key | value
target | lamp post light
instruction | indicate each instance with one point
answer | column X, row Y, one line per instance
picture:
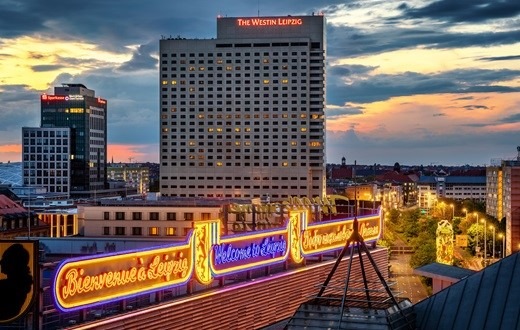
column 485, row 241
column 476, row 214
column 465, row 214
column 452, row 211
column 493, row 227
column 503, row 237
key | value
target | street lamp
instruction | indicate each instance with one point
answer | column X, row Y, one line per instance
column 485, row 241
column 493, row 227
column 476, row 214
column 465, row 213
column 452, row 211
column 503, row 237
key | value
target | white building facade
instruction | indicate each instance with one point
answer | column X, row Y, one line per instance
column 242, row 115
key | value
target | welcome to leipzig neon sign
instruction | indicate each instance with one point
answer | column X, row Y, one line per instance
column 204, row 256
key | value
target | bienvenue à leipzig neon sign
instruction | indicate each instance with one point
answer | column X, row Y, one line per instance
column 205, row 255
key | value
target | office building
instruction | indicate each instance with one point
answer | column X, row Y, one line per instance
column 242, row 115
column 67, row 153
column 134, row 176
column 503, row 199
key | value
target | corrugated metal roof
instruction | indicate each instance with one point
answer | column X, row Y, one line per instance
column 485, row 300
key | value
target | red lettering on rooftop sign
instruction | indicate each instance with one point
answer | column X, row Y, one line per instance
column 286, row 21
column 46, row 97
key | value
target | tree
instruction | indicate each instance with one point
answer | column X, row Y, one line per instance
column 397, row 167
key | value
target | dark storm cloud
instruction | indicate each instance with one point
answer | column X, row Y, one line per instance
column 117, row 24
column 501, row 58
column 46, row 67
column 132, row 114
column 459, row 11
column 19, row 107
column 346, row 41
column 142, row 58
column 370, row 88
column 510, row 119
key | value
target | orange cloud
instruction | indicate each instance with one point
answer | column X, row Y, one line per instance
column 432, row 114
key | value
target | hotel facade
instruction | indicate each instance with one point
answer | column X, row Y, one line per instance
column 242, row 115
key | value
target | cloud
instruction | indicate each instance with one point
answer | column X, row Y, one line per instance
column 369, row 87
column 348, row 109
column 465, row 10
column 475, row 107
column 515, row 118
column 142, row 58
column 46, row 67
column 501, row 58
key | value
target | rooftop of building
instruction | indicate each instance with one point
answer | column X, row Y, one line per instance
column 485, row 300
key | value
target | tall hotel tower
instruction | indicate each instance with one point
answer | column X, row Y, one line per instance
column 242, row 115
column 68, row 153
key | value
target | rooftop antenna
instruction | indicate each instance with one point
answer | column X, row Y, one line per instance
column 258, row 8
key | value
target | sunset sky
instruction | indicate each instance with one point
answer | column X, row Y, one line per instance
column 414, row 82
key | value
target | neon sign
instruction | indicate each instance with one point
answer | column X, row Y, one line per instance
column 101, row 101
column 79, row 282
column 285, row 21
column 204, row 256
column 325, row 236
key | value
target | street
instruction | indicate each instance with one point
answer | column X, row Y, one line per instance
column 408, row 284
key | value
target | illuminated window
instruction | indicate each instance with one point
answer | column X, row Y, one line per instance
column 219, row 129
column 201, row 68
column 285, row 81
column 237, row 143
column 174, row 82
column 210, row 129
column 170, row 231
column 266, row 60
column 237, row 129
column 153, row 231
column 266, row 81
column 315, row 144
column 219, row 61
column 285, row 164
column 219, row 163
column 294, row 143
column 192, row 68
column 229, row 68
column 165, row 82
column 192, row 143
column 303, row 129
